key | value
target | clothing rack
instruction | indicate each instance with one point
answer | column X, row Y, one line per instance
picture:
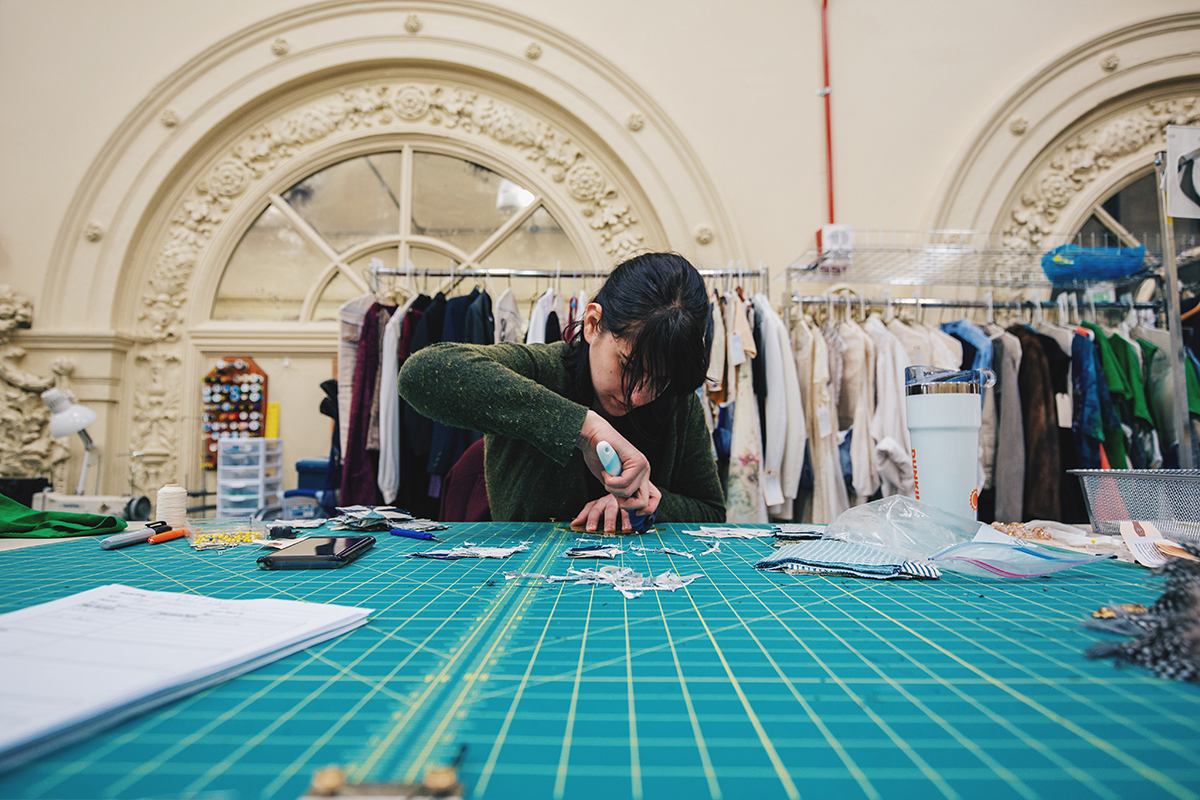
column 763, row 273
column 934, row 302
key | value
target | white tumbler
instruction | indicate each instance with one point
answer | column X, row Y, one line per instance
column 944, row 414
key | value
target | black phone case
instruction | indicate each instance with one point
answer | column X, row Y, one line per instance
column 281, row 560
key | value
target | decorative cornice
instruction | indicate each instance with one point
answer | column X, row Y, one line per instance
column 1081, row 159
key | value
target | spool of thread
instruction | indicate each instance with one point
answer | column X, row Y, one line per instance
column 172, row 505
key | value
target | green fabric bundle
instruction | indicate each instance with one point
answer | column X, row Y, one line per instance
column 19, row 522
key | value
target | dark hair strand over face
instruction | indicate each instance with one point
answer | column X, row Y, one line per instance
column 657, row 302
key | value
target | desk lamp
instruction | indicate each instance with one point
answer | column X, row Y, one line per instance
column 67, row 417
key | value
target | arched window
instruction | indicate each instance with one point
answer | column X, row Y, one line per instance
column 309, row 249
column 1129, row 217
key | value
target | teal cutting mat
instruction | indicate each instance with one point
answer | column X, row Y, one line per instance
column 744, row 684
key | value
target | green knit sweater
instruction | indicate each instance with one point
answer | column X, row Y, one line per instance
column 515, row 394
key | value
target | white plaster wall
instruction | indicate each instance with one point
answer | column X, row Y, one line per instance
column 911, row 82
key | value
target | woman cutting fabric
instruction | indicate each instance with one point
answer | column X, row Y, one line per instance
column 627, row 376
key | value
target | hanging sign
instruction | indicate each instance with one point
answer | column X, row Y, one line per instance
column 1183, row 171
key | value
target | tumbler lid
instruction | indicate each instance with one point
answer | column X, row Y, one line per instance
column 932, row 380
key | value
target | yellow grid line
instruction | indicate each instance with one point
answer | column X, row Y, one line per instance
column 560, row 780
column 789, row 785
column 1146, row 771
column 473, row 677
column 494, row 755
column 709, row 773
column 635, row 765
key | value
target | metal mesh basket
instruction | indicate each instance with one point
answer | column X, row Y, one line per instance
column 1170, row 498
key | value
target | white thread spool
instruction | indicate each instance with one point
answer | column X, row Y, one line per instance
column 172, row 505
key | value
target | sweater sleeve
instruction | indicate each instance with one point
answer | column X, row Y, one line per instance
column 497, row 389
column 695, row 493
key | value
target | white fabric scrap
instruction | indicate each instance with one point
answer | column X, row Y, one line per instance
column 731, row 533
column 716, row 547
column 666, row 550
column 509, row 576
column 594, row 551
column 629, row 583
column 474, row 552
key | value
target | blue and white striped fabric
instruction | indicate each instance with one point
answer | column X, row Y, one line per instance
column 831, row 556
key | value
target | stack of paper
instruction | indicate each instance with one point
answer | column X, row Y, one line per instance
column 77, row 665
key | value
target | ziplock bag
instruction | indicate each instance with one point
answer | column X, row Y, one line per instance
column 1007, row 559
column 916, row 529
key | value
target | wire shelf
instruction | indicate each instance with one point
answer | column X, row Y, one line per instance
column 956, row 258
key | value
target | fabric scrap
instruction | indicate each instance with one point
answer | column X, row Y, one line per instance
column 594, row 551
column 831, row 555
column 731, row 533
column 1167, row 635
column 666, row 550
column 716, row 547
column 471, row 552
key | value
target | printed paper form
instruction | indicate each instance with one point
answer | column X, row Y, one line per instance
column 70, row 661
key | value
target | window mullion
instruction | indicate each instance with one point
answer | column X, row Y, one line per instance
column 1110, row 222
column 504, row 230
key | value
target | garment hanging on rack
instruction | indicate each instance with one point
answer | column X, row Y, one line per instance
column 796, row 441
column 360, row 465
column 536, row 333
column 829, row 489
column 509, row 325
column 856, row 407
column 802, row 351
column 553, row 329
column 716, row 354
column 744, row 500
column 785, row 434
column 395, row 350
column 447, row 444
column 480, row 323
column 350, row 321
column 1009, row 465
column 889, row 424
column 1042, row 463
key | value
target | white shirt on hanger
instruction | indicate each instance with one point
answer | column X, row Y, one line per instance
column 889, row 425
column 536, row 333
column 387, row 477
column 509, row 325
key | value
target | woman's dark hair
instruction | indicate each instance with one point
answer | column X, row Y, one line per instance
column 657, row 302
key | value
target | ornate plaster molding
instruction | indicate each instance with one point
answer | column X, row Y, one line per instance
column 1078, row 160
column 158, row 356
column 26, row 447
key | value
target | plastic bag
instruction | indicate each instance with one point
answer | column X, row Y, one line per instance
column 926, row 533
column 1016, row 559
column 916, row 529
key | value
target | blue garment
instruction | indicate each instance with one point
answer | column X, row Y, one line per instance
column 723, row 433
column 975, row 336
column 844, row 458
column 1086, row 424
column 448, row 444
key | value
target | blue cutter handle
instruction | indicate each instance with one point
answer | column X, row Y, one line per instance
column 612, row 465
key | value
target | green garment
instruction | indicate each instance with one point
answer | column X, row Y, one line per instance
column 19, row 522
column 1127, row 362
column 1159, row 389
column 1118, row 385
column 515, row 394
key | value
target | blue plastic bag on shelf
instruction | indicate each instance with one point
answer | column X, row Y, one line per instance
column 1071, row 263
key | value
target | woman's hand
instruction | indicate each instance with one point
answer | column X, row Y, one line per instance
column 632, row 488
column 603, row 514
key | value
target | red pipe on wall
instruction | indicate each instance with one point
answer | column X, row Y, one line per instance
column 825, row 91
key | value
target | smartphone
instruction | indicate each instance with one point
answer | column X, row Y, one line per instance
column 318, row 552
